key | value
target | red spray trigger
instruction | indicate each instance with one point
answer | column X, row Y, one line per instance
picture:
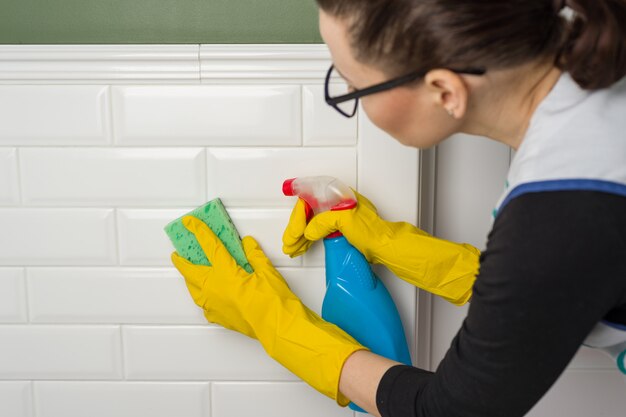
column 322, row 193
column 344, row 205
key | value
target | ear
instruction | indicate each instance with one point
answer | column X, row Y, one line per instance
column 447, row 90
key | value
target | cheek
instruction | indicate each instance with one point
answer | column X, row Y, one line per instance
column 388, row 112
column 405, row 117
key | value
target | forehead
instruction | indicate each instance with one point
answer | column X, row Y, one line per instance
column 334, row 31
column 335, row 34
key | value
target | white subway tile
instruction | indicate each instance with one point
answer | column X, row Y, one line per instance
column 388, row 173
column 57, row 237
column 16, row 399
column 93, row 177
column 9, row 183
column 267, row 227
column 231, row 115
column 122, row 399
column 315, row 255
column 196, row 353
column 254, row 176
column 276, row 399
column 143, row 241
column 60, row 352
column 110, row 295
column 12, row 296
column 322, row 124
column 309, row 284
column 54, row 115
column 135, row 295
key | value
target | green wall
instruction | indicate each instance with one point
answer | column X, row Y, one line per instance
column 157, row 21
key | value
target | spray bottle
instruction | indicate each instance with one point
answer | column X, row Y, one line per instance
column 356, row 300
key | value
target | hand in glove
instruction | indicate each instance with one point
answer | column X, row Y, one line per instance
column 261, row 305
column 444, row 268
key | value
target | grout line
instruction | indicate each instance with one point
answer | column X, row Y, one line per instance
column 113, row 138
column 161, row 267
column 206, row 174
column 211, row 406
column 184, row 146
column 180, row 381
column 122, row 353
column 116, row 237
column 199, row 64
column 26, row 295
column 33, row 398
column 302, row 115
column 18, row 167
column 178, row 325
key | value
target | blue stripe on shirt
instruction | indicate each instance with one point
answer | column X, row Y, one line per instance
column 564, row 185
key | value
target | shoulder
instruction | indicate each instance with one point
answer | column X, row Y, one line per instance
column 564, row 232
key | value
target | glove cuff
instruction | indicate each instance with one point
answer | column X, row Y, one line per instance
column 312, row 348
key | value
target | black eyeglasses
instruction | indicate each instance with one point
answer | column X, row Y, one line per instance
column 347, row 104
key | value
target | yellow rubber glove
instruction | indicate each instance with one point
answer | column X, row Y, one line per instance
column 261, row 305
column 444, row 268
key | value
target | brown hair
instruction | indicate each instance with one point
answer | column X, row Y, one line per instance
column 400, row 36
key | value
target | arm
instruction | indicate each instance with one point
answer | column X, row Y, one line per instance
column 441, row 267
column 360, row 377
column 548, row 275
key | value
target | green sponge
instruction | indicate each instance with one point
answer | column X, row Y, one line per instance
column 215, row 216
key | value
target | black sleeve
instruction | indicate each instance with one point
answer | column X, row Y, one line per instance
column 554, row 266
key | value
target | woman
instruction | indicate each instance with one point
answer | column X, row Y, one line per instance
column 520, row 73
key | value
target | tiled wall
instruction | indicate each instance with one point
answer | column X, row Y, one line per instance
column 94, row 321
column 101, row 146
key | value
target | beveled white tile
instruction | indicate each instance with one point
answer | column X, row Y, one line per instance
column 231, row 115
column 135, row 295
column 93, row 177
column 57, row 237
column 60, row 352
column 322, row 124
column 143, row 241
column 12, row 296
column 55, row 115
column 265, row 63
column 315, row 255
column 254, row 176
column 309, row 284
column 110, row 295
column 276, row 399
column 388, row 173
column 16, row 399
column 122, row 399
column 196, row 353
column 9, row 183
column 267, row 227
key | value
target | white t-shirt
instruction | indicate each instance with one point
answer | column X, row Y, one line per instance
column 576, row 141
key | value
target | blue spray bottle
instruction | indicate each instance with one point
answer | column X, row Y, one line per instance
column 356, row 299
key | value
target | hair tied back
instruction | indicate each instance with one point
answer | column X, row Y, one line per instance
column 559, row 5
column 586, row 38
